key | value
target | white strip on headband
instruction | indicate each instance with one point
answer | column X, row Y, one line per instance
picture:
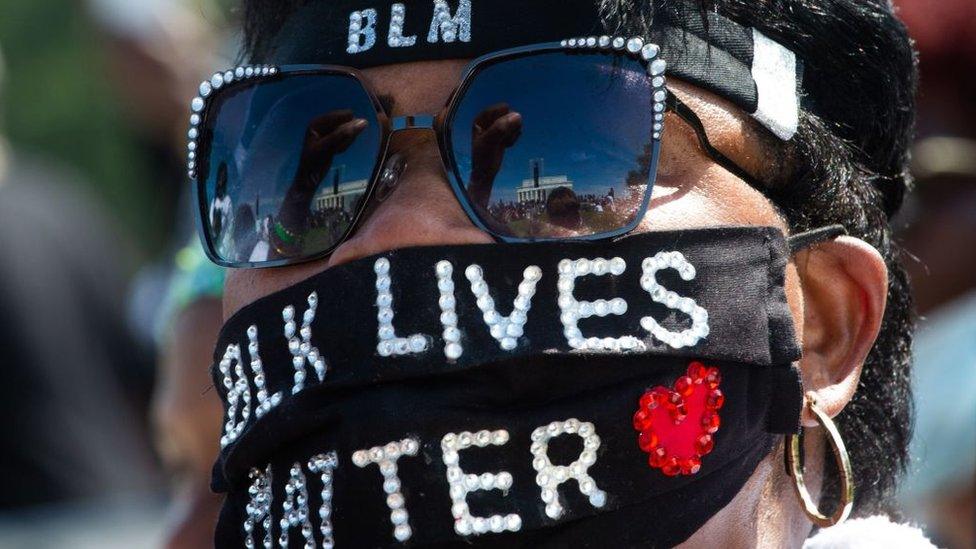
column 774, row 70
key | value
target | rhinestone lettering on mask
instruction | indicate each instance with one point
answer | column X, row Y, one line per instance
column 362, row 30
column 238, row 394
column 571, row 310
column 295, row 509
column 462, row 484
column 386, row 458
column 505, row 329
column 699, row 316
column 258, row 510
column 302, row 351
column 450, row 28
column 324, row 465
column 448, row 304
column 551, row 476
column 264, row 404
column 389, row 344
column 398, row 14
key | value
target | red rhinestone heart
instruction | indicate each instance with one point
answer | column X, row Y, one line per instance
column 676, row 425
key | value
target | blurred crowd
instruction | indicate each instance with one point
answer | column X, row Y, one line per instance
column 108, row 316
column 110, row 310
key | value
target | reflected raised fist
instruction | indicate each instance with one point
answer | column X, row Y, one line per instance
column 327, row 135
column 495, row 129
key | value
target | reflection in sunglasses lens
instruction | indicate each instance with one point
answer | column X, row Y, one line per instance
column 288, row 166
column 556, row 145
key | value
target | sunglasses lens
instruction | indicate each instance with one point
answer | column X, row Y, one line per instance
column 556, row 145
column 286, row 167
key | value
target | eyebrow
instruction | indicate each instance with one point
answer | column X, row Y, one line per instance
column 387, row 101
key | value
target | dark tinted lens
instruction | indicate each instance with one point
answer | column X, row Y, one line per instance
column 556, row 145
column 287, row 166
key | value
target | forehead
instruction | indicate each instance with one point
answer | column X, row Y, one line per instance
column 421, row 87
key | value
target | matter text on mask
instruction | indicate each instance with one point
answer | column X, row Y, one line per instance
column 294, row 514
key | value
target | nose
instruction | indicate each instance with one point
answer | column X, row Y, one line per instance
column 420, row 210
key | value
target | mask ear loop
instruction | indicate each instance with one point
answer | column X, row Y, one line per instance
column 806, row 239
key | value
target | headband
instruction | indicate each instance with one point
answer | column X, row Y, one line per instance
column 740, row 64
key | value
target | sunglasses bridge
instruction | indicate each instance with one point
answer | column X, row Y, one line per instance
column 413, row 122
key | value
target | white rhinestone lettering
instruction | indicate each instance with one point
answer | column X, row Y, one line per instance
column 238, row 394
column 389, row 344
column 571, row 310
column 295, row 509
column 386, row 458
column 448, row 304
column 258, row 510
column 551, row 476
column 398, row 14
column 699, row 316
column 264, row 404
column 505, row 329
column 450, row 28
column 302, row 351
column 462, row 484
column 324, row 465
column 362, row 30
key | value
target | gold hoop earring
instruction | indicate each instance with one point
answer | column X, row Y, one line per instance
column 795, row 470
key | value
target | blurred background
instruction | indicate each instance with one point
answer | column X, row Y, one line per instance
column 105, row 341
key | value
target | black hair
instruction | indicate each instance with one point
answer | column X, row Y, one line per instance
column 849, row 166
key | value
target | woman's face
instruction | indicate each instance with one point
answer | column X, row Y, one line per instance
column 691, row 191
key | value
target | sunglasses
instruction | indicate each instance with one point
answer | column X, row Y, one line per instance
column 546, row 142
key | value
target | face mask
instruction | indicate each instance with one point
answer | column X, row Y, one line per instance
column 514, row 394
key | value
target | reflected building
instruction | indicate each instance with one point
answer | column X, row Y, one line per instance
column 342, row 196
column 537, row 189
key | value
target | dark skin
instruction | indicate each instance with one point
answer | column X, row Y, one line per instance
column 836, row 290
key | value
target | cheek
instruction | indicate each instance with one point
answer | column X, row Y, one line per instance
column 702, row 194
column 691, row 190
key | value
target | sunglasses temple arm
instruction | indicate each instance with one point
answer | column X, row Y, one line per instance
column 684, row 112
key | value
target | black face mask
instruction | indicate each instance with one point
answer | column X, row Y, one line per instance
column 549, row 394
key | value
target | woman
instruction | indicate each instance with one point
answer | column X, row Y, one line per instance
column 656, row 367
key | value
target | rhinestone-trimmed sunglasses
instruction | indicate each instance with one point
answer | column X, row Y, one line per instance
column 544, row 142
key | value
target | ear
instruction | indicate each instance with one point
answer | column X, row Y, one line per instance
column 845, row 288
